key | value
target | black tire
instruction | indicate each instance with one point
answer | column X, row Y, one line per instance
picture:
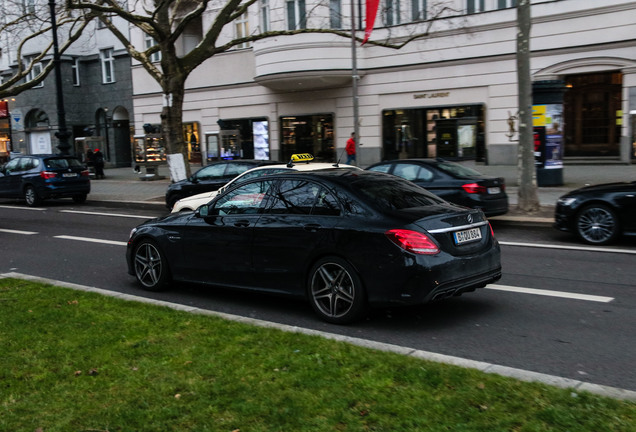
column 597, row 224
column 335, row 291
column 79, row 198
column 31, row 196
column 150, row 265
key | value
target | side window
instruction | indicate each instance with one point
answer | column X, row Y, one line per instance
column 27, row 163
column 246, row 199
column 407, row 171
column 293, row 197
column 210, row 172
column 381, row 168
column 425, row 174
column 12, row 165
column 232, row 170
column 326, row 204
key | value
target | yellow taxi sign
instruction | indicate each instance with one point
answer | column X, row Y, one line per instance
column 302, row 157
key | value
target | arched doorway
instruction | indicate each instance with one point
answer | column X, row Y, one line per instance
column 38, row 133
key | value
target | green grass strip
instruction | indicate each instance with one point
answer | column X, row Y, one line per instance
column 80, row 361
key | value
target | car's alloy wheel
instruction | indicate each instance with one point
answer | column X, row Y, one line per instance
column 335, row 291
column 31, row 197
column 597, row 224
column 151, row 269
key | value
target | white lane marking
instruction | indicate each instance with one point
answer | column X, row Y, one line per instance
column 550, row 293
column 108, row 214
column 578, row 248
column 91, row 240
column 23, row 208
column 10, row 231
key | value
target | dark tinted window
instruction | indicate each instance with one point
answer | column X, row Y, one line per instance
column 61, row 163
column 457, row 170
column 246, row 199
column 293, row 197
column 390, row 193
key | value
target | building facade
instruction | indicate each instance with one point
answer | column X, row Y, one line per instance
column 96, row 88
column 450, row 94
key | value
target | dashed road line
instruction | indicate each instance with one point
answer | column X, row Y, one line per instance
column 91, row 240
column 564, row 247
column 550, row 293
column 10, row 231
column 108, row 214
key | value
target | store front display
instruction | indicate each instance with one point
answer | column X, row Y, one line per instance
column 240, row 139
column 452, row 132
column 191, row 138
column 311, row 134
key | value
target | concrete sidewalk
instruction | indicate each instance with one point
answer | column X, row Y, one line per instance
column 124, row 185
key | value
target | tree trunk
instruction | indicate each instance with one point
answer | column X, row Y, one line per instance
column 172, row 128
column 527, row 195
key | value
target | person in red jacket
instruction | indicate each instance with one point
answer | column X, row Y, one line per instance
column 351, row 149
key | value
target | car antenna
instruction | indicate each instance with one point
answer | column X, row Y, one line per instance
column 337, row 164
column 290, row 164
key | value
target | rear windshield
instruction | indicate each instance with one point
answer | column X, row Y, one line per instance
column 392, row 193
column 61, row 163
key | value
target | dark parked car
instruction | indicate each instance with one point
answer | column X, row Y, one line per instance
column 209, row 178
column 452, row 181
column 39, row 177
column 344, row 239
column 598, row 214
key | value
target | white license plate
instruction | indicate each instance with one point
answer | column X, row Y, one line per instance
column 466, row 236
column 494, row 190
column 69, row 175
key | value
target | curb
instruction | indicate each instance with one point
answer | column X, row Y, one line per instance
column 520, row 374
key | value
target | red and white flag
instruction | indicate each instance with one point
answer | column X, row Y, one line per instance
column 371, row 12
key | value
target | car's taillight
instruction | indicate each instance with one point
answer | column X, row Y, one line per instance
column 474, row 188
column 413, row 241
column 492, row 231
column 47, row 175
column 85, row 173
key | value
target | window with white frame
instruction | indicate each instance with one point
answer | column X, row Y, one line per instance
column 242, row 26
column 475, row 6
column 265, row 25
column 335, row 14
column 391, row 13
column 418, row 10
column 75, row 72
column 28, row 6
column 36, row 69
column 505, row 4
column 108, row 66
column 155, row 57
column 296, row 15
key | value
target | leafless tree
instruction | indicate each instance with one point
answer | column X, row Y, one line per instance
column 22, row 26
column 528, row 200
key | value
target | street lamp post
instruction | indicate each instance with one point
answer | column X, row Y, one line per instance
column 62, row 133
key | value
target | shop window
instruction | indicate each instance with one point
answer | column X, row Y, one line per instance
column 191, row 138
column 243, row 139
column 308, row 134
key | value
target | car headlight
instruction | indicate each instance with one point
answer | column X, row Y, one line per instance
column 567, row 201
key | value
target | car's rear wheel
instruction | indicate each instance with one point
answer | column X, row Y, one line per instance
column 79, row 198
column 336, row 292
column 597, row 224
column 31, row 196
column 151, row 267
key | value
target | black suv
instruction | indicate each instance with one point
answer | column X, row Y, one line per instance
column 43, row 176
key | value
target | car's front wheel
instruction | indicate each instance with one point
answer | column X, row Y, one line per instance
column 151, row 267
column 336, row 292
column 31, row 196
column 597, row 224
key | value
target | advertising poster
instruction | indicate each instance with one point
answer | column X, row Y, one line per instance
column 260, row 131
column 548, row 127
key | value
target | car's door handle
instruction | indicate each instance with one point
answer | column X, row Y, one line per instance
column 242, row 223
column 311, row 227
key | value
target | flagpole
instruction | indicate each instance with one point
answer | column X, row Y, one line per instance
column 355, row 78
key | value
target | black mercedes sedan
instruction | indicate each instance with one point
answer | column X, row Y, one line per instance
column 598, row 214
column 343, row 239
column 452, row 181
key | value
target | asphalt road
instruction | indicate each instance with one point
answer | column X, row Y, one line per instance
column 578, row 323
